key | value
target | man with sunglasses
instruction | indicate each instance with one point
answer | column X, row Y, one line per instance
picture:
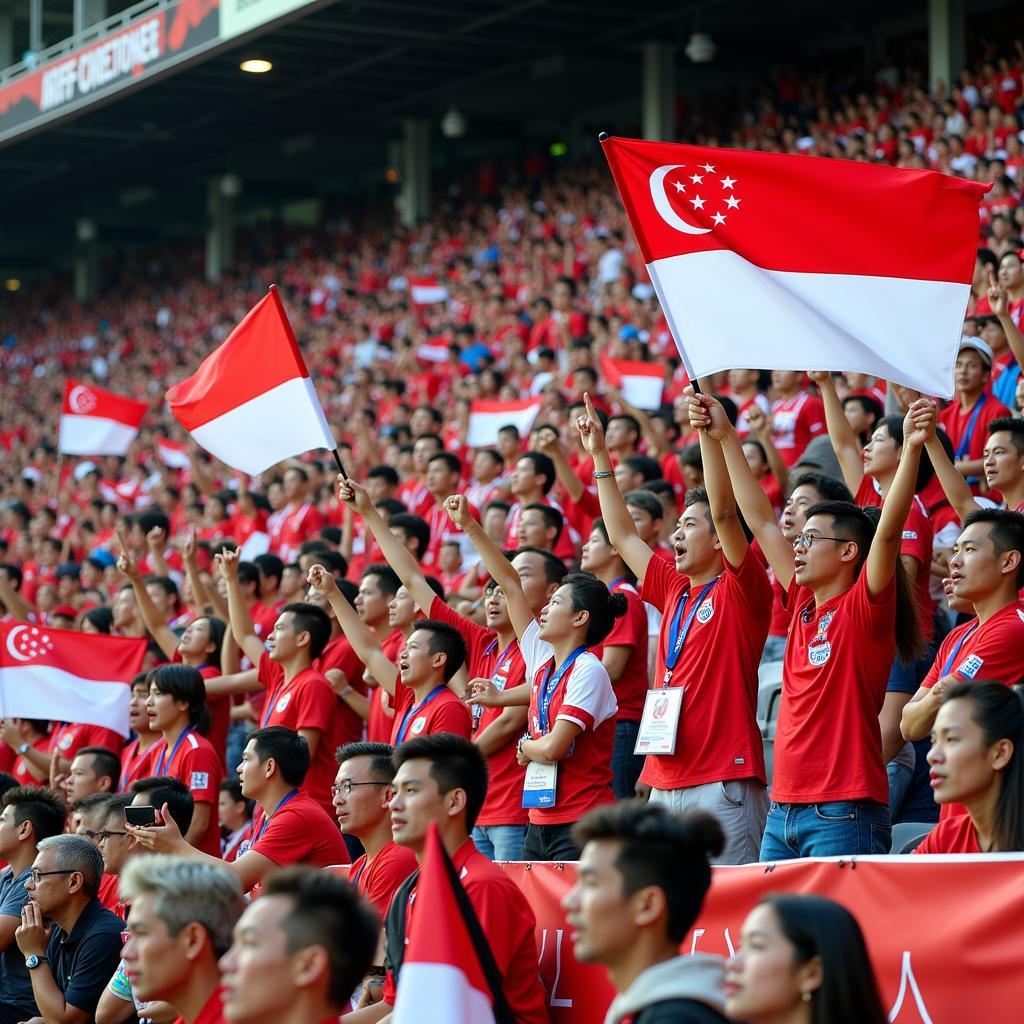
column 70, row 962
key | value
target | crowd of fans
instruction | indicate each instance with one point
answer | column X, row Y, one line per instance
column 507, row 640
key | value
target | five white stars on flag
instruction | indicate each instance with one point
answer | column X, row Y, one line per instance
column 698, row 202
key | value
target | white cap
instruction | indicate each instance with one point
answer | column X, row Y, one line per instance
column 979, row 346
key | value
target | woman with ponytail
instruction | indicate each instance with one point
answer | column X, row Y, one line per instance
column 977, row 759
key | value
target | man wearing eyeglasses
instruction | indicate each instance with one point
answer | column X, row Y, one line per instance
column 69, row 962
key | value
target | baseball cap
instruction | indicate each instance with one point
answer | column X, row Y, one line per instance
column 979, row 346
column 64, row 610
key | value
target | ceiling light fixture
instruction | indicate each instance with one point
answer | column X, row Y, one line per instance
column 256, row 65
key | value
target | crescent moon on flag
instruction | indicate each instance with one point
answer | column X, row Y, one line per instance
column 664, row 208
column 11, row 649
column 79, row 399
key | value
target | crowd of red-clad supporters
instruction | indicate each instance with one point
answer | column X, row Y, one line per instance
column 805, row 586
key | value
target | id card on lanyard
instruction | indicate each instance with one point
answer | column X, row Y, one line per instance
column 663, row 707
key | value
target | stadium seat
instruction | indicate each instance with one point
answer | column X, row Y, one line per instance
column 907, row 834
column 769, row 692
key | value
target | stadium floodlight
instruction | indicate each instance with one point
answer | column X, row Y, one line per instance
column 256, row 65
column 453, row 124
column 12, row 284
column 85, row 230
column 701, row 48
column 230, row 186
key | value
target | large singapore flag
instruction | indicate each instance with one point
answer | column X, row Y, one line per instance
column 251, row 402
column 789, row 262
column 66, row 676
column 94, row 421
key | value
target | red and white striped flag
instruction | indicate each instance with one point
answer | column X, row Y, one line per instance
column 487, row 418
column 94, row 421
column 640, row 384
column 425, row 291
column 790, row 263
column 173, row 454
column 67, row 676
column 251, row 402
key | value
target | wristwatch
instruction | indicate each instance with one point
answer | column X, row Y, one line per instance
column 24, row 748
column 34, row 961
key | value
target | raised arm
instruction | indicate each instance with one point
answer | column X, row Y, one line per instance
column 363, row 640
column 753, row 502
column 761, row 426
column 716, row 482
column 206, row 599
column 619, row 523
column 885, row 548
column 238, row 615
column 999, row 300
column 840, row 433
column 956, row 488
column 155, row 623
column 495, row 563
column 548, row 444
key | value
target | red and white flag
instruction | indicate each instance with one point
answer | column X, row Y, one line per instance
column 640, row 384
column 487, row 418
column 251, row 402
column 173, row 454
column 66, row 676
column 425, row 291
column 94, row 421
column 792, row 263
column 443, row 980
column 434, row 350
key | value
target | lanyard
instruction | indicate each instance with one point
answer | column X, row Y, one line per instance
column 956, row 650
column 273, row 702
column 132, row 763
column 284, row 800
column 163, row 766
column 550, row 684
column 681, row 630
column 614, row 583
column 964, row 447
column 404, row 727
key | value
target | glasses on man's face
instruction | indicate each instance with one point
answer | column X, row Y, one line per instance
column 805, row 540
column 346, row 787
column 37, row 874
column 108, row 833
column 91, row 834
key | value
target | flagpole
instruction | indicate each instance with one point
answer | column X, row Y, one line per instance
column 337, row 459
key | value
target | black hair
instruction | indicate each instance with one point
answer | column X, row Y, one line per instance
column 151, row 518
column 217, row 628
column 589, row 594
column 166, row 584
column 855, row 524
column 334, row 562
column 1006, row 534
column 819, row 927
column 270, row 565
column 182, row 682
column 509, row 428
column 378, row 753
column 249, row 572
column 998, row 711
column 830, row 488
column 451, row 461
column 925, row 470
column 311, row 619
column 504, row 506
column 632, row 421
column 428, row 436
column 166, row 789
column 447, row 640
column 456, row 763
column 647, row 501
column 1012, row 426
column 389, row 507
column 645, row 466
column 42, row 807
column 332, row 535
column 542, row 466
column 105, row 763
column 388, row 581
column 232, row 785
column 554, row 567
column 871, row 407
column 690, row 456
column 657, row 848
column 435, row 415
column 328, row 912
column 7, row 782
column 494, row 456
column 386, row 473
column 101, row 617
column 434, row 583
column 296, row 469
column 553, row 519
column 289, row 750
column 414, row 527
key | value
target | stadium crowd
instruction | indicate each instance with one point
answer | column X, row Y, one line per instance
column 598, row 640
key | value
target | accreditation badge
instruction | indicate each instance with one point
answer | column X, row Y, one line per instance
column 540, row 784
column 660, row 721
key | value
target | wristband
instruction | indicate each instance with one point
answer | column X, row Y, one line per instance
column 602, row 473
column 24, row 748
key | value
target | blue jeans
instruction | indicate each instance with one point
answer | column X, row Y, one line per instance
column 500, row 842
column 626, row 766
column 836, row 828
column 901, row 773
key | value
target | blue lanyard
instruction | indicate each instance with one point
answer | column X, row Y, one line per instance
column 404, row 727
column 964, row 447
column 165, row 762
column 681, row 630
column 284, row 800
column 956, row 650
column 614, row 583
column 273, row 701
column 550, row 684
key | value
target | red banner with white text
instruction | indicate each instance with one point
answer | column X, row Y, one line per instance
column 946, row 934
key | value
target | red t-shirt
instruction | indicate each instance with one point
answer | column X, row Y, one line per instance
column 795, row 423
column 68, row 738
column 212, row 1011
column 955, row 421
column 381, row 718
column 134, row 765
column 298, row 832
column 828, row 744
column 585, row 697
column 565, row 546
column 198, row 765
column 379, row 879
column 506, row 669
column 306, row 702
column 21, row 771
column 339, row 654
column 508, row 925
column 110, row 893
column 629, row 631
column 440, row 711
column 718, row 737
column 954, row 835
column 993, row 651
column 290, row 526
column 220, row 713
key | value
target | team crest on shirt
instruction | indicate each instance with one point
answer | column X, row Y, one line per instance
column 418, row 725
column 66, row 741
column 970, row 666
column 200, row 780
column 819, row 653
column 705, row 611
column 282, row 703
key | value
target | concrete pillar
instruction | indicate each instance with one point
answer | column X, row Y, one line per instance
column 220, row 232
column 85, row 270
column 414, row 199
column 659, row 98
column 35, row 25
column 946, row 48
column 88, row 12
column 7, row 57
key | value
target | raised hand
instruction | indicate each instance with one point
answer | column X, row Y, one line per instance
column 186, row 545
column 321, row 580
column 998, row 298
column 156, row 540
column 706, row 414
column 227, row 564
column 352, row 494
column 919, row 423
column 547, row 442
column 127, row 565
column 457, row 508
column 758, row 421
column 483, row 692
column 591, row 431
column 819, row 377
